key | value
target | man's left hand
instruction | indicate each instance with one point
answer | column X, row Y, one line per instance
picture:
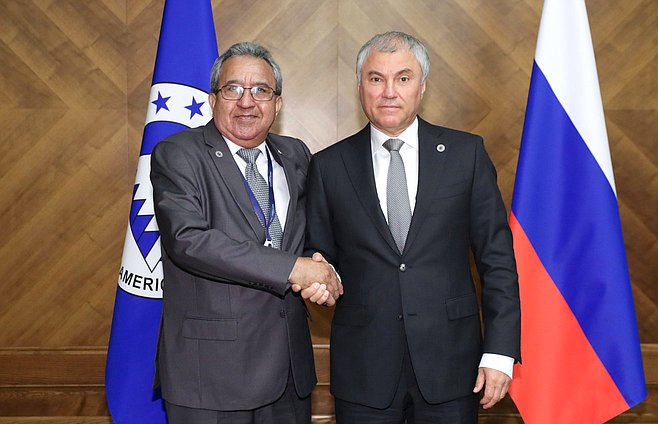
column 495, row 385
column 318, row 293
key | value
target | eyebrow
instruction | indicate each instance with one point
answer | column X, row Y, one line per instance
column 236, row 82
column 402, row 71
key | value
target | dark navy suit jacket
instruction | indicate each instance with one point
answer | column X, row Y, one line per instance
column 424, row 297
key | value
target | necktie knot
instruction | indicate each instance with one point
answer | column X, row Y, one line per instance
column 393, row 144
column 249, row 155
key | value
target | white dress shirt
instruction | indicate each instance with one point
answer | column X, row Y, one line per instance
column 409, row 153
column 381, row 158
column 279, row 181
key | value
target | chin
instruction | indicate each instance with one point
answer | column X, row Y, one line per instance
column 252, row 139
column 389, row 125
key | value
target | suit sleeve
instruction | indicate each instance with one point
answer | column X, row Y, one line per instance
column 319, row 232
column 189, row 240
column 491, row 240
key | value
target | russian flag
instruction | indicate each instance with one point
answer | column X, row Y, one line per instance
column 579, row 340
column 187, row 49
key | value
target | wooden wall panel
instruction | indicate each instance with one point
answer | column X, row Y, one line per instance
column 64, row 176
column 74, row 85
column 625, row 39
column 69, row 383
column 301, row 36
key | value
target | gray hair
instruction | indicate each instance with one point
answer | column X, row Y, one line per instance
column 390, row 42
column 245, row 49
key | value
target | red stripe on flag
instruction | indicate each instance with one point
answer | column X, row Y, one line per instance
column 561, row 379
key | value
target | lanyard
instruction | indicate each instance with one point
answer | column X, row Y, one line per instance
column 265, row 221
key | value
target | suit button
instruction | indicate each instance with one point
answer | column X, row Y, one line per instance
column 282, row 313
column 400, row 317
column 403, row 267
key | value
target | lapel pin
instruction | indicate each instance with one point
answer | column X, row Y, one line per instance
column 440, row 148
column 219, row 154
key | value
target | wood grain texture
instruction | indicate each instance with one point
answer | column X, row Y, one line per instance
column 73, row 93
column 68, row 382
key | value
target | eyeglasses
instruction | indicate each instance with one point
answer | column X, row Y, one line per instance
column 260, row 93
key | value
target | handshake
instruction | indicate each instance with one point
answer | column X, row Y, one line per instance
column 316, row 279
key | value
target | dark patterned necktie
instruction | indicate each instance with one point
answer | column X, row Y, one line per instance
column 397, row 195
column 260, row 189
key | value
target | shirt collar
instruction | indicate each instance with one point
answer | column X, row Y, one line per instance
column 234, row 147
column 409, row 136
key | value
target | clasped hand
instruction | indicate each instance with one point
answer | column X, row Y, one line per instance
column 316, row 280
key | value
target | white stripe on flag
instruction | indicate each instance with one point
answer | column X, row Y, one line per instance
column 564, row 38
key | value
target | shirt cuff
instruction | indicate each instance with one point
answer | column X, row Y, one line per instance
column 340, row 280
column 501, row 363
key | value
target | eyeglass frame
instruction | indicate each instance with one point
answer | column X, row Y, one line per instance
column 244, row 89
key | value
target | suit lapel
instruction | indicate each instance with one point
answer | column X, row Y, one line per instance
column 358, row 163
column 230, row 173
column 431, row 167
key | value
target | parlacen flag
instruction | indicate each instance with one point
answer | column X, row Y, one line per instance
column 187, row 49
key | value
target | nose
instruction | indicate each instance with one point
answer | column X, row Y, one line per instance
column 246, row 101
column 389, row 90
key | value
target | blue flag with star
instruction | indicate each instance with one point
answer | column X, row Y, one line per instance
column 187, row 49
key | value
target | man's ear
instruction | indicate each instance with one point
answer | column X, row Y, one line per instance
column 278, row 104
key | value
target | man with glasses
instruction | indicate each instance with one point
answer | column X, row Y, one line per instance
column 229, row 200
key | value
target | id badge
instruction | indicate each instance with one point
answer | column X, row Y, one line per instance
column 268, row 243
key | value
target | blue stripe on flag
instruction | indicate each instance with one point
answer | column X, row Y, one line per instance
column 187, row 36
column 569, row 212
column 157, row 131
column 133, row 353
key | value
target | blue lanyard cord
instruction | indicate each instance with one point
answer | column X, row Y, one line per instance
column 265, row 221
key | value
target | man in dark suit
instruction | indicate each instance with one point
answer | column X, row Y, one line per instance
column 397, row 208
column 234, row 343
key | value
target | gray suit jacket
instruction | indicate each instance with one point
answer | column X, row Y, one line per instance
column 231, row 328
